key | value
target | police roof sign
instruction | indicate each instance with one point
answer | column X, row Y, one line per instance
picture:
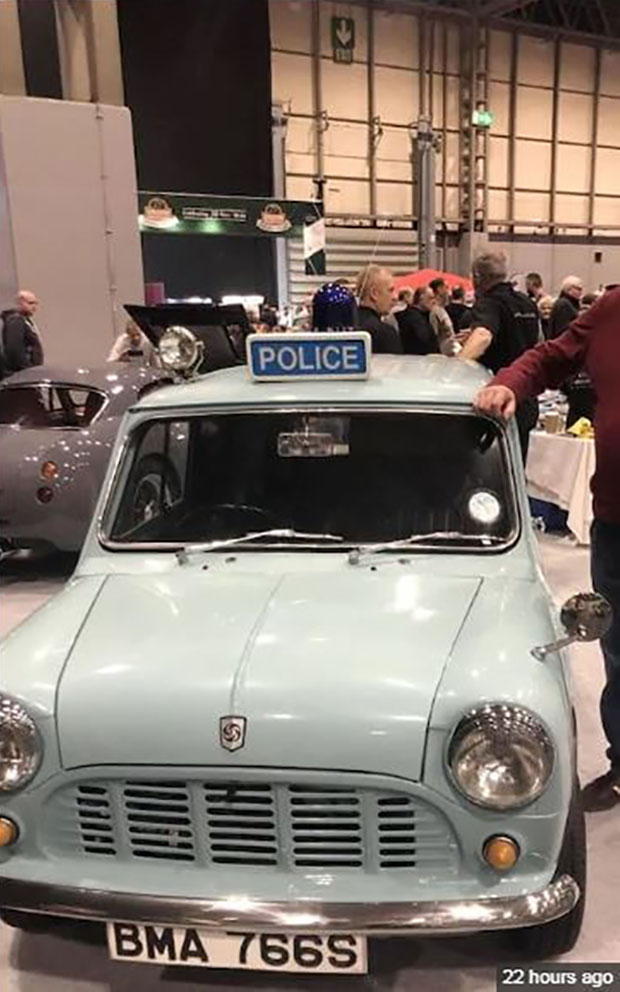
column 281, row 357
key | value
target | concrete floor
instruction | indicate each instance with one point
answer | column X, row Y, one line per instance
column 31, row 963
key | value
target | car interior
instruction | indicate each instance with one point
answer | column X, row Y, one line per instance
column 386, row 476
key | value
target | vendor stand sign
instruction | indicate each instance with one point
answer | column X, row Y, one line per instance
column 186, row 213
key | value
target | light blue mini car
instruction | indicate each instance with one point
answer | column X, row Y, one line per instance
column 305, row 687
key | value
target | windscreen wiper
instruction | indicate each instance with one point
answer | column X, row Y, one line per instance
column 286, row 533
column 356, row 554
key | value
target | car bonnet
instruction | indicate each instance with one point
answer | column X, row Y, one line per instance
column 337, row 670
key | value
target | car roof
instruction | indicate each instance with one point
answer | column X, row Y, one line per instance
column 432, row 379
column 102, row 377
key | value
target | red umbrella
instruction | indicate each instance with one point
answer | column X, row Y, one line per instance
column 423, row 276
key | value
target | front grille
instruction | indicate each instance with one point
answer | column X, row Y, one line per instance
column 95, row 819
column 241, row 824
column 326, row 828
column 158, row 820
column 262, row 825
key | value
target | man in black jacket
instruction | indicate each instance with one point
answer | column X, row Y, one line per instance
column 375, row 295
column 505, row 323
column 456, row 308
column 20, row 343
column 416, row 331
column 566, row 307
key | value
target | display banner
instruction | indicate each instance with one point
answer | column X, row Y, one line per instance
column 187, row 213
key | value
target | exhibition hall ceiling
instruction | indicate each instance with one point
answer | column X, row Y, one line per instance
column 594, row 17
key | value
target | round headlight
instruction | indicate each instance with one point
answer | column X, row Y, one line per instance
column 178, row 349
column 20, row 745
column 501, row 757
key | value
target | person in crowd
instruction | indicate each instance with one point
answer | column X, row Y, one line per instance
column 587, row 300
column 20, row 341
column 545, row 306
column 566, row 307
column 457, row 308
column 578, row 388
column 440, row 319
column 591, row 342
column 416, row 330
column 504, row 324
column 268, row 314
column 534, row 286
column 132, row 345
column 375, row 295
column 403, row 300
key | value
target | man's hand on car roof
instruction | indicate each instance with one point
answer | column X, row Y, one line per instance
column 497, row 400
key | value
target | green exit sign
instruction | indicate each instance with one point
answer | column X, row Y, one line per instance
column 343, row 39
column 482, row 118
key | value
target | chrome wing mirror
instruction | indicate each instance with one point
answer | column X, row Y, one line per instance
column 585, row 617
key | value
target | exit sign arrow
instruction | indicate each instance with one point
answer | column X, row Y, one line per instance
column 343, row 39
column 344, row 33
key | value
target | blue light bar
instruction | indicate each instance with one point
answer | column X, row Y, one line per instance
column 282, row 357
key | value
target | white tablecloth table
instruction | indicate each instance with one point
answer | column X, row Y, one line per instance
column 558, row 470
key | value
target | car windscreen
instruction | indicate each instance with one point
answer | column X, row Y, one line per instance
column 367, row 476
column 40, row 406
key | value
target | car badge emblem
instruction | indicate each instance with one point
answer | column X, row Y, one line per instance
column 232, row 732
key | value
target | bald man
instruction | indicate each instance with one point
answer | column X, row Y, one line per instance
column 375, row 296
column 20, row 343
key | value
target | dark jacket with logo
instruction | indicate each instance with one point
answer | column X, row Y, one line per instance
column 514, row 323
column 20, row 344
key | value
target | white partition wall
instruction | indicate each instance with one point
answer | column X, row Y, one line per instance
column 68, row 221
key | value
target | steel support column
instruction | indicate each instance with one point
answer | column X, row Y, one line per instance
column 12, row 79
column 512, row 113
column 372, row 163
column 422, row 65
column 444, row 121
column 317, row 94
column 278, row 148
column 555, row 117
column 594, row 138
column 425, row 151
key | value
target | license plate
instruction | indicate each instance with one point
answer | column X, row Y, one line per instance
column 195, row 947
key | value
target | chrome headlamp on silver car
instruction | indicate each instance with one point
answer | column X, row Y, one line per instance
column 20, row 745
column 179, row 351
column 501, row 757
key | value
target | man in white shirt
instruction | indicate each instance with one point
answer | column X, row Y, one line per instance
column 133, row 346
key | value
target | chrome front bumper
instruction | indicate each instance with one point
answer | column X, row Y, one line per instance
column 372, row 919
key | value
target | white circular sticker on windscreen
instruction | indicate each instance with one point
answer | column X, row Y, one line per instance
column 484, row 507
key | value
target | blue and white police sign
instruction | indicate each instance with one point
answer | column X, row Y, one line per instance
column 280, row 357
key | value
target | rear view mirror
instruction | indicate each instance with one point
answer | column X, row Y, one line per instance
column 586, row 616
column 302, row 444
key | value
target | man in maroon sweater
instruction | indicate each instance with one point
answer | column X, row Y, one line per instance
column 591, row 342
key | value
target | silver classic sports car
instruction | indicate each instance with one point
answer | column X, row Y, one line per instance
column 57, row 427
